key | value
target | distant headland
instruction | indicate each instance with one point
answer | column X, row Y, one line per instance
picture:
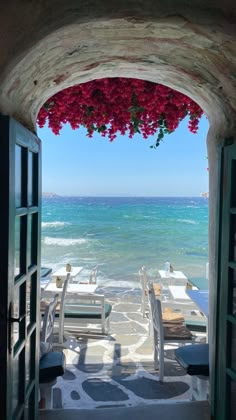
column 49, row 195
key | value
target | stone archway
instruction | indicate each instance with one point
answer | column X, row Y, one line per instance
column 46, row 48
column 174, row 51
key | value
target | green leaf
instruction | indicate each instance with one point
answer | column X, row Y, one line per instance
column 47, row 106
column 89, row 110
column 135, row 108
column 160, row 134
column 101, row 128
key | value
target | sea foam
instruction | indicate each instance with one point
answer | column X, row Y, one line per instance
column 64, row 242
column 192, row 222
column 54, row 224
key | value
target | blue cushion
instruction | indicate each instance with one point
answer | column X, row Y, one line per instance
column 45, row 271
column 85, row 313
column 199, row 326
column 51, row 365
column 194, row 358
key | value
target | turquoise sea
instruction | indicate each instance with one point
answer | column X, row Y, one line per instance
column 119, row 235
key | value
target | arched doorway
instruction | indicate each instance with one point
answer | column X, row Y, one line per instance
column 191, row 50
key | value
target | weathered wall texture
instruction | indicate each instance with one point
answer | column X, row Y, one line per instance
column 46, row 46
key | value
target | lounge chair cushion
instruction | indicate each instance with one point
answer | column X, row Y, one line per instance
column 194, row 359
column 172, row 317
column 157, row 289
column 51, row 365
column 176, row 332
column 84, row 313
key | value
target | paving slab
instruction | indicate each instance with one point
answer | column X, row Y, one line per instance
column 127, row 307
column 126, row 339
column 101, row 390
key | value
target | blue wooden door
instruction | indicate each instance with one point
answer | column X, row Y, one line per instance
column 225, row 331
column 20, row 189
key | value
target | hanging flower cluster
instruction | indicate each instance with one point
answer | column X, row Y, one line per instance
column 123, row 105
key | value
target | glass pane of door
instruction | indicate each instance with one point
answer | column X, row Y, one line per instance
column 18, row 178
column 233, row 400
column 17, row 246
column 30, row 178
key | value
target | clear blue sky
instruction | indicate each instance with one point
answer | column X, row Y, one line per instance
column 75, row 165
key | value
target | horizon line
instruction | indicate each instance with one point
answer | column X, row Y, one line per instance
column 55, row 195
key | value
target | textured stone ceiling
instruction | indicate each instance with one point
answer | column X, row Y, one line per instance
column 47, row 47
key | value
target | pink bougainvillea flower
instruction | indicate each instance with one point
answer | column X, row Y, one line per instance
column 113, row 105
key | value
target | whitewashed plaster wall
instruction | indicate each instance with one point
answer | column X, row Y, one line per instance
column 190, row 46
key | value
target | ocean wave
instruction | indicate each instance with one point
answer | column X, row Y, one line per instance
column 124, row 284
column 54, row 224
column 64, row 242
column 192, row 222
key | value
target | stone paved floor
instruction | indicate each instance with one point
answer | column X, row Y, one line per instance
column 117, row 370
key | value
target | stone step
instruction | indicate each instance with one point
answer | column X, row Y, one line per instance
column 193, row 410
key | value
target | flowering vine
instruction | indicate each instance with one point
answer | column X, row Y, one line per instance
column 124, row 105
